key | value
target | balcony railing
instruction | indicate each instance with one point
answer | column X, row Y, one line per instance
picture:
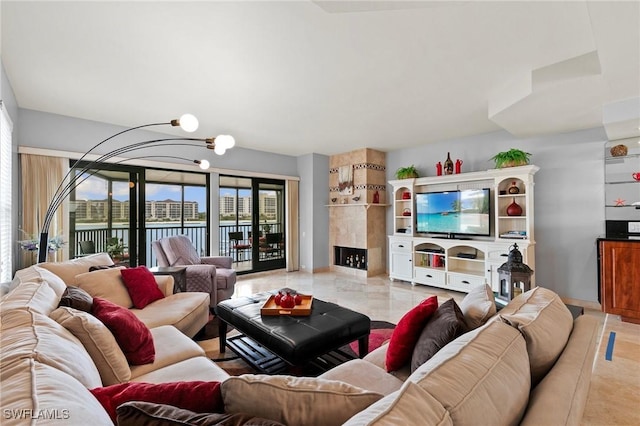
column 225, row 246
column 197, row 234
column 100, row 236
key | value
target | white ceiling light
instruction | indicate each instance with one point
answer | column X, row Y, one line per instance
column 188, row 123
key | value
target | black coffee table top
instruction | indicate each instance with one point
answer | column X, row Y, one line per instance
column 296, row 339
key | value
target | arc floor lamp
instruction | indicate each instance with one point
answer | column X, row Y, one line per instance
column 186, row 122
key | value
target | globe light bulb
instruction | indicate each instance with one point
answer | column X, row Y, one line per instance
column 188, row 123
column 219, row 149
column 204, row 164
column 226, row 141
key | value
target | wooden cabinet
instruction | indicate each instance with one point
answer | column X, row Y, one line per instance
column 620, row 278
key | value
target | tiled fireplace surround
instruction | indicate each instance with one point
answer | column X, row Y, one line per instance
column 359, row 224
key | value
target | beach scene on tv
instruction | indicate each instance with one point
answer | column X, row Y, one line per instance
column 454, row 212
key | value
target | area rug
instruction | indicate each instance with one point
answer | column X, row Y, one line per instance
column 380, row 333
column 210, row 330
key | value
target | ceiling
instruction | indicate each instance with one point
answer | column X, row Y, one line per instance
column 300, row 77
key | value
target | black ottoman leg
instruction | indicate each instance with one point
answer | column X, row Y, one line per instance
column 363, row 346
column 222, row 333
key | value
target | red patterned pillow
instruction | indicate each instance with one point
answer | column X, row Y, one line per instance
column 197, row 396
column 141, row 285
column 407, row 332
column 132, row 335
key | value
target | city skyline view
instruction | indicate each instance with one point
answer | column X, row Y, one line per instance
column 97, row 189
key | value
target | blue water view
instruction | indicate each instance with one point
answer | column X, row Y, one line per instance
column 461, row 223
column 455, row 212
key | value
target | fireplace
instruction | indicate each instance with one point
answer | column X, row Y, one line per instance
column 350, row 257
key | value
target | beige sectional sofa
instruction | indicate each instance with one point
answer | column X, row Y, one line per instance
column 529, row 364
column 484, row 376
column 188, row 311
column 47, row 370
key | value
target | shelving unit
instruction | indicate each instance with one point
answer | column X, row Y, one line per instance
column 403, row 206
column 622, row 191
column 460, row 263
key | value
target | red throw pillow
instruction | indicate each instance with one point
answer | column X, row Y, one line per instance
column 141, row 285
column 407, row 332
column 197, row 396
column 132, row 335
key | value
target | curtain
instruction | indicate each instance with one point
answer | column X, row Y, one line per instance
column 293, row 241
column 6, row 202
column 41, row 176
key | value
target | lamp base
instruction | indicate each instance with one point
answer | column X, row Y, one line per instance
column 43, row 247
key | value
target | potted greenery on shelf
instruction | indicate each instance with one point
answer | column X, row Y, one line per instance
column 513, row 157
column 407, row 172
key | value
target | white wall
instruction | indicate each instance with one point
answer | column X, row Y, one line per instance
column 569, row 197
column 314, row 215
column 43, row 130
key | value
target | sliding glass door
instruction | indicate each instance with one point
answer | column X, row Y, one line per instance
column 176, row 204
column 105, row 215
column 252, row 223
column 102, row 215
column 268, row 203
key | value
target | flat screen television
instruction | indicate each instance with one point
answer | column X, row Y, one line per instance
column 465, row 212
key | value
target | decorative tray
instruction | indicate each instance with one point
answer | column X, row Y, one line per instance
column 303, row 309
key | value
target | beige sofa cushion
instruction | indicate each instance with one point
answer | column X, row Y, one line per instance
column 166, row 284
column 483, row 372
column 31, row 387
column 33, row 296
column 562, row 394
column 411, row 405
column 378, row 358
column 295, row 400
column 365, row 375
column 106, row 284
column 478, row 306
column 99, row 343
column 545, row 322
column 171, row 347
column 188, row 312
column 198, row 368
column 27, row 334
column 38, row 274
column 68, row 270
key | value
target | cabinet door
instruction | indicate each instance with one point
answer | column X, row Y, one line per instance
column 401, row 267
column 620, row 272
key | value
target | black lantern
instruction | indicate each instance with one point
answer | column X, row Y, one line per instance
column 515, row 276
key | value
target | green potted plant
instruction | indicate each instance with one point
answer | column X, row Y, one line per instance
column 513, row 157
column 115, row 248
column 407, row 172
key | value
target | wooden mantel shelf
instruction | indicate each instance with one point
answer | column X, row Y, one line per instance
column 365, row 205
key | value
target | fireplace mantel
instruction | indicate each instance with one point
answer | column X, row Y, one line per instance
column 363, row 226
column 365, row 205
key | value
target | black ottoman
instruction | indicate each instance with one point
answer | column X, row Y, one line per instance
column 298, row 340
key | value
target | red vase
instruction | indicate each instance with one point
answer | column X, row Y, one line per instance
column 514, row 209
column 288, row 301
column 278, row 298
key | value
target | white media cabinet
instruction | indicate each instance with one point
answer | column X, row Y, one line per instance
column 459, row 263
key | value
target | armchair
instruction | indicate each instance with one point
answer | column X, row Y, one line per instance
column 210, row 274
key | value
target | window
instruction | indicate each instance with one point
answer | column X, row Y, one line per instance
column 6, row 233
